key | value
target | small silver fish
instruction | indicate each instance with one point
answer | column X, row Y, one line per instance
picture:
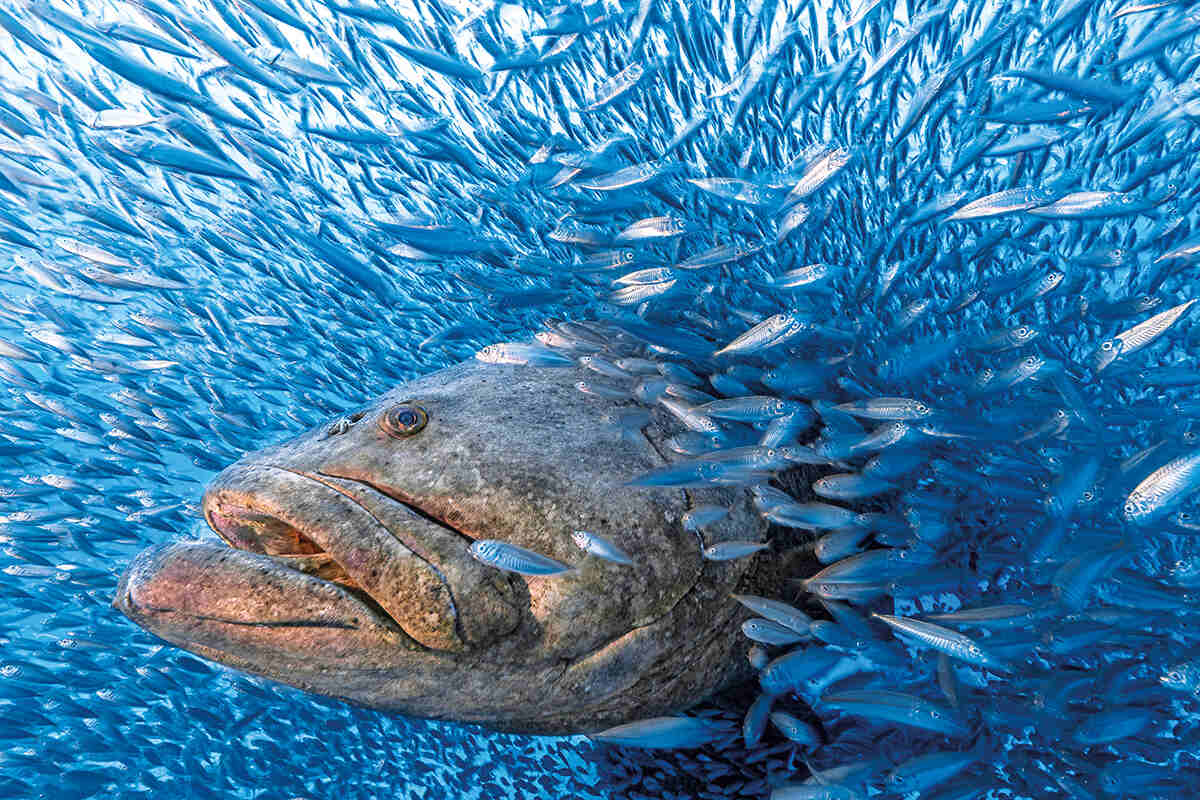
column 522, row 353
column 600, row 547
column 755, row 722
column 776, row 611
column 764, row 631
column 91, row 252
column 795, row 729
column 887, row 408
column 770, row 332
column 727, row 551
column 703, row 516
column 819, row 171
column 661, row 732
column 513, row 558
column 1163, row 488
column 944, row 640
column 850, row 486
column 1137, row 337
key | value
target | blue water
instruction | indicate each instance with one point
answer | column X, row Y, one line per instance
column 163, row 312
column 90, row 705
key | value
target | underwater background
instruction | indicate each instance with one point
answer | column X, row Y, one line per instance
column 223, row 223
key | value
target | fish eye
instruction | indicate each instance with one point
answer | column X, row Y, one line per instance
column 403, row 420
column 628, row 255
column 1130, row 508
column 1106, row 345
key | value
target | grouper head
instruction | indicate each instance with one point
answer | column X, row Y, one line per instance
column 344, row 567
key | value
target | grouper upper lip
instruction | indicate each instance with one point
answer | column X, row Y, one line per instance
column 245, row 528
column 251, row 530
column 195, row 580
column 336, row 529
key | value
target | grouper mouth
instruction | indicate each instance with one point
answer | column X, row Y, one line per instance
column 371, row 541
column 331, row 549
column 247, row 529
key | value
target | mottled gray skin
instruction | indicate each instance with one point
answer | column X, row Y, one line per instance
column 360, row 585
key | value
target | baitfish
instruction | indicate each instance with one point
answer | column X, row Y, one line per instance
column 950, row 642
column 1163, row 489
column 1141, row 335
column 514, row 558
column 600, row 547
column 521, row 353
column 898, row 707
column 768, row 231
column 661, row 732
column 726, row 551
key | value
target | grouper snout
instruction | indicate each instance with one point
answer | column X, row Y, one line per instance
column 344, row 566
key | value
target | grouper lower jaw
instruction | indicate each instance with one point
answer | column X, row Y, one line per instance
column 198, row 593
column 348, row 573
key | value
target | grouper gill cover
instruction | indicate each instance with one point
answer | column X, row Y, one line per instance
column 908, row 286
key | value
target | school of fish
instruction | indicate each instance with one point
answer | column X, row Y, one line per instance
column 945, row 252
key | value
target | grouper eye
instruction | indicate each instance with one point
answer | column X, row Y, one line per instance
column 403, row 420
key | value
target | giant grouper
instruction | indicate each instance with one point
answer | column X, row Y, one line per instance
column 347, row 570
